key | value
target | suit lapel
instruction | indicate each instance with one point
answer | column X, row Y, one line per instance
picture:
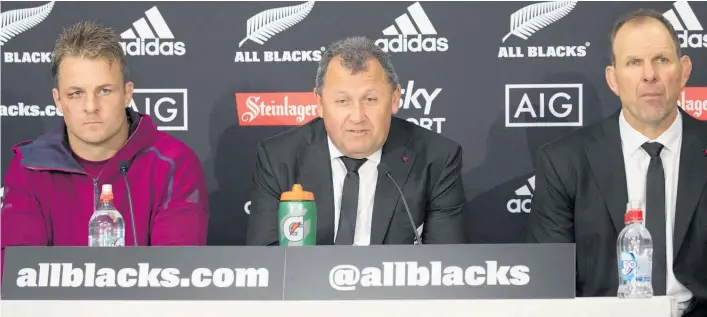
column 315, row 175
column 692, row 177
column 399, row 160
column 606, row 161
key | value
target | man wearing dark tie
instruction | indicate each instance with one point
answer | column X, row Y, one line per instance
column 342, row 157
column 650, row 151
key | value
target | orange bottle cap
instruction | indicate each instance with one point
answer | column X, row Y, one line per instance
column 297, row 193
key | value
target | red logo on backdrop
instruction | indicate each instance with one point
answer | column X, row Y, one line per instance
column 276, row 108
column 694, row 101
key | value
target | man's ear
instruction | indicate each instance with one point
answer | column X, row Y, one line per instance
column 610, row 74
column 320, row 109
column 396, row 100
column 57, row 99
column 128, row 94
column 686, row 63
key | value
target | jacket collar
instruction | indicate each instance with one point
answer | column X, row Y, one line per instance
column 51, row 151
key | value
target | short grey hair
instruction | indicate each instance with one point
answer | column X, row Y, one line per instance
column 641, row 15
column 355, row 52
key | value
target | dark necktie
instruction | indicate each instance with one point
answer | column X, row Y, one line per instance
column 655, row 214
column 349, row 202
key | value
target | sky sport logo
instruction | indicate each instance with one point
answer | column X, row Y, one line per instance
column 688, row 28
column 168, row 107
column 276, row 108
column 263, row 26
column 18, row 21
column 544, row 105
column 524, row 200
column 149, row 43
column 348, row 277
column 406, row 35
column 530, row 20
column 694, row 101
column 420, row 101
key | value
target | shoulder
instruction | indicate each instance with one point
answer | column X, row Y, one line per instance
column 294, row 137
column 423, row 140
column 169, row 148
column 574, row 142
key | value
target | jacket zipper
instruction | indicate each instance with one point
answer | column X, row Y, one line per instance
column 96, row 193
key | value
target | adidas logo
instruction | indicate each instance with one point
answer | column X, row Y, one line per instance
column 409, row 33
column 525, row 194
column 689, row 23
column 147, row 42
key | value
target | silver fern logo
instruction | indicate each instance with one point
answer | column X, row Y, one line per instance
column 526, row 21
column 533, row 18
column 16, row 22
column 261, row 27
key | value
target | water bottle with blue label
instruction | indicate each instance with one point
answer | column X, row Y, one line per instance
column 635, row 255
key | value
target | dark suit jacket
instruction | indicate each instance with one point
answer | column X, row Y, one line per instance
column 580, row 197
column 425, row 165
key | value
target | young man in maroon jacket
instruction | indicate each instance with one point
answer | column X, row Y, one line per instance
column 53, row 182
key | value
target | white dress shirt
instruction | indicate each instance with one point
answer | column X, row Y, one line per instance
column 636, row 161
column 368, row 177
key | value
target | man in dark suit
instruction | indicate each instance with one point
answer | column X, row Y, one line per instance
column 339, row 157
column 649, row 151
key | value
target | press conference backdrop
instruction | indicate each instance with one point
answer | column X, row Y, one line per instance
column 500, row 78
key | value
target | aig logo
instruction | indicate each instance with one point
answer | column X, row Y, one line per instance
column 293, row 229
column 544, row 105
column 168, row 107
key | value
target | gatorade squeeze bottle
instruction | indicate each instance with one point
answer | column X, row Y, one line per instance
column 297, row 218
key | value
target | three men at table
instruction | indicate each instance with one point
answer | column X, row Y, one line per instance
column 651, row 151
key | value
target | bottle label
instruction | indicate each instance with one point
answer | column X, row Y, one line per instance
column 634, row 267
column 293, row 228
column 298, row 223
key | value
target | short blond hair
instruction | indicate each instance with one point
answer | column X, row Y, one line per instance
column 89, row 40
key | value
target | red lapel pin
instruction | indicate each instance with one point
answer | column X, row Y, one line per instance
column 405, row 158
column 705, row 152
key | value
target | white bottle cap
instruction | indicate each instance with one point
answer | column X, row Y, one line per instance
column 107, row 188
